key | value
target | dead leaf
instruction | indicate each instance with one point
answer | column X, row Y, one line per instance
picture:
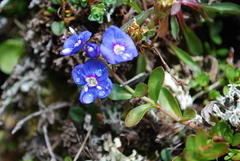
column 207, row 112
column 163, row 27
column 168, row 130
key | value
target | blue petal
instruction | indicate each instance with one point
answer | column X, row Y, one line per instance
column 87, row 97
column 84, row 36
column 106, row 88
column 114, row 32
column 108, row 54
column 67, row 51
column 78, row 76
column 69, row 43
column 96, row 68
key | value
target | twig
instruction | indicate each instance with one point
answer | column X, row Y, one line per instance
column 133, row 79
column 156, row 51
column 82, row 146
column 211, row 87
column 3, row 4
column 45, row 133
column 52, row 107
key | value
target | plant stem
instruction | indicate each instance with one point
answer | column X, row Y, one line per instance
column 144, row 98
column 175, row 117
column 158, row 106
column 83, row 143
column 211, row 87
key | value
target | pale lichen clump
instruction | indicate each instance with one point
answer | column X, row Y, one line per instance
column 232, row 103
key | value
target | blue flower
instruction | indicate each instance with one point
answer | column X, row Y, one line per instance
column 117, row 46
column 92, row 50
column 75, row 42
column 93, row 76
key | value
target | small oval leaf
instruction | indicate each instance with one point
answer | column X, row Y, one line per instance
column 77, row 114
column 174, row 27
column 141, row 90
column 58, row 28
column 189, row 114
column 10, row 49
column 119, row 93
column 229, row 72
column 236, row 139
column 168, row 102
column 141, row 63
column 155, row 83
column 166, row 155
column 217, row 150
column 136, row 114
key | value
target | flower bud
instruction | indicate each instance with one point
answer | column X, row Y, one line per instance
column 162, row 8
column 92, row 50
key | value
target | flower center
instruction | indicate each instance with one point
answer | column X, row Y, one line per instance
column 92, row 81
column 78, row 43
column 118, row 49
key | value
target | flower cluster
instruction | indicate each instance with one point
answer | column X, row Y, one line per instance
column 116, row 47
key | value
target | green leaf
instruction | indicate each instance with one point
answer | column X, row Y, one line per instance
column 229, row 72
column 177, row 158
column 119, row 93
column 97, row 12
column 217, row 39
column 183, row 56
column 84, row 3
column 200, row 148
column 221, row 7
column 194, row 43
column 166, row 155
column 77, row 114
column 133, row 5
column 139, row 18
column 136, row 114
column 236, row 139
column 191, row 156
column 10, row 49
column 215, row 29
column 109, row 2
column 214, row 94
column 168, row 102
column 201, row 139
column 189, row 114
column 203, row 79
column 141, row 63
column 58, row 28
column 217, row 150
column 223, row 129
column 67, row 158
column 236, row 157
column 141, row 90
column 155, row 83
column 222, row 52
column 225, row 90
column 174, row 27
column 191, row 143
